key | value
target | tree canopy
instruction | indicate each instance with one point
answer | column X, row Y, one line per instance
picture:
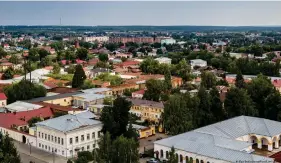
column 79, row 77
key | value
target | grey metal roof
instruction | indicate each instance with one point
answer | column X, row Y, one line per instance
column 68, row 123
column 90, row 97
column 19, row 106
column 86, row 114
column 219, row 140
column 96, row 90
column 48, row 98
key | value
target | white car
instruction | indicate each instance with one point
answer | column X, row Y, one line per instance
column 152, row 160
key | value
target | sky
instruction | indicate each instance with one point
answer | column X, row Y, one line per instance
column 217, row 13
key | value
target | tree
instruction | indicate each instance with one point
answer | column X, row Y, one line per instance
column 239, row 81
column 203, row 112
column 8, row 74
column 103, row 57
column 258, row 89
column 105, row 147
column 218, row 113
column 222, row 82
column 167, row 80
column 272, row 105
column 71, row 69
column 33, row 54
column 149, row 65
column 154, row 89
column 208, row 80
column 113, row 79
column 47, row 61
column 24, row 90
column 238, row 102
column 182, row 69
column 115, row 118
column 87, row 84
column 172, row 156
column 33, row 120
column 3, row 53
column 79, row 77
column 178, row 114
column 125, row 150
column 228, row 49
column 56, row 68
column 43, row 53
column 82, row 53
column 14, row 59
column 8, row 152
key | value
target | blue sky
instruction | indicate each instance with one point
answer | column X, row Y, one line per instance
column 141, row 13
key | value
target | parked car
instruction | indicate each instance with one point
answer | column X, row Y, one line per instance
column 163, row 160
column 152, row 160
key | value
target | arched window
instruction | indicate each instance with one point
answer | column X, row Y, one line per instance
column 191, row 159
column 181, row 158
column 197, row 161
column 208, row 162
column 161, row 153
column 167, row 154
column 186, row 159
column 201, row 161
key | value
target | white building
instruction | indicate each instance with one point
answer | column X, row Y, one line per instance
column 96, row 38
column 198, row 62
column 164, row 60
column 168, row 41
column 68, row 134
column 232, row 140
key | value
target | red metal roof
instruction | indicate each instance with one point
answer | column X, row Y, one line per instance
column 139, row 92
column 3, row 96
column 20, row 118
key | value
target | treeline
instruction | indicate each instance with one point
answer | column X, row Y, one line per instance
column 184, row 112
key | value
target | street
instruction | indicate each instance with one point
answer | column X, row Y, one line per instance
column 37, row 155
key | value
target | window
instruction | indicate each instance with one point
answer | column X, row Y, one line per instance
column 55, row 139
column 99, row 134
column 42, row 136
column 49, row 148
column 93, row 135
column 88, row 147
column 71, row 152
column 39, row 144
column 62, row 152
column 88, row 136
column 64, row 100
column 46, row 136
column 52, row 138
column 82, row 137
column 38, row 134
column 49, row 137
column 70, row 140
column 45, row 147
column 76, row 139
column 59, row 140
column 82, row 148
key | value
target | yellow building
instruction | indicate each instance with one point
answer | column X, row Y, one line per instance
column 147, row 110
column 144, row 131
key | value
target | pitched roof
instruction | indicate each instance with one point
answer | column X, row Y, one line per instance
column 3, row 96
column 21, row 118
column 139, row 92
column 47, row 98
column 140, row 102
column 20, row 106
column 68, row 123
column 55, row 107
column 219, row 140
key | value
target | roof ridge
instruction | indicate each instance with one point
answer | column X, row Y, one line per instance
column 266, row 127
column 248, row 127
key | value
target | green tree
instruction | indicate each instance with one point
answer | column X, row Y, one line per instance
column 154, row 89
column 208, row 80
column 24, row 90
column 87, row 84
column 33, row 54
column 3, row 53
column 115, row 118
column 203, row 112
column 125, row 150
column 167, row 81
column 272, row 105
column 238, row 102
column 9, row 73
column 149, row 65
column 103, row 57
column 218, row 113
column 8, row 152
column 239, row 81
column 113, row 79
column 105, row 147
column 79, row 77
column 56, row 68
column 222, row 82
column 82, row 53
column 33, row 120
column 178, row 114
column 182, row 69
column 258, row 89
column 47, row 61
column 172, row 156
column 14, row 59
column 71, row 69
column 42, row 53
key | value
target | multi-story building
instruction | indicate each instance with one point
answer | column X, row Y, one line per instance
column 67, row 135
column 134, row 39
column 147, row 110
column 96, row 38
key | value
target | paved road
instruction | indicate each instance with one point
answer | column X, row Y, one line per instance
column 37, row 155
